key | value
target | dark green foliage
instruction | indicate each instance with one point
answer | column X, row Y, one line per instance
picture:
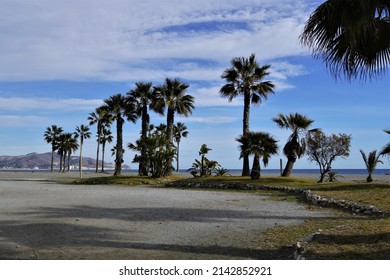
column 352, row 37
column 260, row 144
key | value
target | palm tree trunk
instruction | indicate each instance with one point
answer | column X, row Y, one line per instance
column 81, row 158
column 255, row 173
column 170, row 121
column 177, row 156
column 143, row 169
column 61, row 156
column 103, row 151
column 69, row 154
column 289, row 166
column 119, row 146
column 52, row 159
column 98, row 148
column 245, row 120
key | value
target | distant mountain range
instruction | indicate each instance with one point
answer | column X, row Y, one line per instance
column 43, row 161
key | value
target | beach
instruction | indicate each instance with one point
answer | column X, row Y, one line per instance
column 43, row 219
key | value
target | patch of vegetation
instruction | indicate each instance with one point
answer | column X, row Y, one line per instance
column 125, row 180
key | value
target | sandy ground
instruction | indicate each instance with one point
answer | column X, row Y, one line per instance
column 41, row 219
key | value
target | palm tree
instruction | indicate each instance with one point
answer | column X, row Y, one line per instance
column 83, row 132
column 106, row 138
column 172, row 94
column 180, row 130
column 203, row 152
column 119, row 107
column 351, row 36
column 245, row 78
column 296, row 144
column 371, row 161
column 66, row 145
column 51, row 136
column 142, row 97
column 101, row 118
column 261, row 145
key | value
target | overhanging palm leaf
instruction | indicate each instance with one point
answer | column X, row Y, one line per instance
column 351, row 36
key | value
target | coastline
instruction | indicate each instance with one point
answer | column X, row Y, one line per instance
column 74, row 175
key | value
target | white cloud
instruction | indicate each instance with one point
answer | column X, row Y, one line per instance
column 117, row 40
column 209, row 119
column 42, row 105
column 20, row 121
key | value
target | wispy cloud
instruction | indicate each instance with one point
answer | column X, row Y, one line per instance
column 118, row 40
column 44, row 105
column 20, row 121
column 209, row 120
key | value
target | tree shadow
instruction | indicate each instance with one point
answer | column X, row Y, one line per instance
column 161, row 214
column 33, row 237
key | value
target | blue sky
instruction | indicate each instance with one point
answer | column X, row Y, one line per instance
column 60, row 59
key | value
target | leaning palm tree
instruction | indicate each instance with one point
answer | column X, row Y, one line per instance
column 51, row 136
column 172, row 94
column 245, row 78
column 202, row 153
column 260, row 144
column 179, row 131
column 142, row 97
column 352, row 37
column 296, row 144
column 371, row 161
column 83, row 132
column 119, row 107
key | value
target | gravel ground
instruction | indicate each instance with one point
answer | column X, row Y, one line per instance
column 45, row 220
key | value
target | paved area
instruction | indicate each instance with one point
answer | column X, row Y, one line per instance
column 45, row 220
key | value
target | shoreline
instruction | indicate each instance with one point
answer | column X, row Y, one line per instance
column 37, row 175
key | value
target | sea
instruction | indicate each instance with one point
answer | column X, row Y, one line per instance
column 231, row 171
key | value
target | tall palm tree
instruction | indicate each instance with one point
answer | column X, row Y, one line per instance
column 106, row 138
column 351, row 36
column 296, row 144
column 180, row 130
column 101, row 118
column 261, row 145
column 119, row 107
column 172, row 94
column 51, row 136
column 371, row 161
column 245, row 78
column 83, row 132
column 142, row 97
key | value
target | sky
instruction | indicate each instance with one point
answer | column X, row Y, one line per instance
column 60, row 59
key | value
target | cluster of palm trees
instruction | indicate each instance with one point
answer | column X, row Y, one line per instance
column 245, row 78
column 156, row 145
column 66, row 143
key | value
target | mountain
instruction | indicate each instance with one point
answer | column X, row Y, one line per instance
column 43, row 161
